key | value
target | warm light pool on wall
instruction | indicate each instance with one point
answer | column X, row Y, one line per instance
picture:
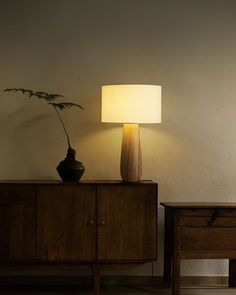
column 131, row 104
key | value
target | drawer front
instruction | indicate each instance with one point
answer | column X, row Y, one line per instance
column 227, row 212
column 208, row 233
column 17, row 194
column 206, row 238
column 208, row 221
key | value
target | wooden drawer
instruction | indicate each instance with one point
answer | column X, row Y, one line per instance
column 209, row 231
column 207, row 212
column 208, row 221
column 17, row 194
column 208, row 239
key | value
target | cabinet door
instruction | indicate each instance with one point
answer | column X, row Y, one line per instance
column 127, row 222
column 17, row 222
column 66, row 222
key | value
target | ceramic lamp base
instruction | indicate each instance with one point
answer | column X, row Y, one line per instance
column 131, row 159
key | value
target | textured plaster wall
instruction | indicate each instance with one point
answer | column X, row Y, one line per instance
column 74, row 46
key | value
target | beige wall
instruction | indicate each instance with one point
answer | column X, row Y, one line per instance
column 74, row 46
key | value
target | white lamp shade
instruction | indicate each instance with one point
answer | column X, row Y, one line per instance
column 133, row 103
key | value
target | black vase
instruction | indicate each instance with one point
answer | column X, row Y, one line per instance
column 70, row 169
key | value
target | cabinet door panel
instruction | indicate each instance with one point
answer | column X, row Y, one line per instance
column 127, row 219
column 17, row 223
column 66, row 222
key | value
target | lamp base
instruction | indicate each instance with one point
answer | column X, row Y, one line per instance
column 131, row 159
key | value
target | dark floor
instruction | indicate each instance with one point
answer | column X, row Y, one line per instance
column 112, row 290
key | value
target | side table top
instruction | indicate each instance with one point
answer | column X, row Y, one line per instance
column 195, row 205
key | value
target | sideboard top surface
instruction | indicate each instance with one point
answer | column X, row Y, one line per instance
column 56, row 182
column 195, row 205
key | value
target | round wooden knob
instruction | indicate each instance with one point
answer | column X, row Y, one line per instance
column 91, row 221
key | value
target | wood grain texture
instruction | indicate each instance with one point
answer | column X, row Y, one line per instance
column 201, row 221
column 208, row 239
column 65, row 226
column 168, row 244
column 197, row 205
column 131, row 158
column 17, row 194
column 199, row 231
column 127, row 222
column 66, row 222
column 176, row 254
column 17, row 223
column 232, row 273
column 4, row 232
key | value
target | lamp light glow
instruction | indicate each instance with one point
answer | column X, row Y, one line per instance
column 131, row 104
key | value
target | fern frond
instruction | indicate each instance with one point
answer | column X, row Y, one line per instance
column 53, row 96
column 39, row 94
column 11, row 89
column 64, row 105
column 49, row 97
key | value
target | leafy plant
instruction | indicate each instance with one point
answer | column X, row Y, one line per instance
column 50, row 98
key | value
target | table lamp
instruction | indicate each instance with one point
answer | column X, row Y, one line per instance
column 131, row 104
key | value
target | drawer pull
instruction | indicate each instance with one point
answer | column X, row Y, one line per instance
column 213, row 217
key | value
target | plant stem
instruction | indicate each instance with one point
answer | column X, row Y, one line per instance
column 67, row 136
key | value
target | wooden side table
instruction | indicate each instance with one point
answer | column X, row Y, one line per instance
column 198, row 231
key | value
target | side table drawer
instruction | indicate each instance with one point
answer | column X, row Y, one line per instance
column 208, row 239
column 213, row 233
column 208, row 221
column 207, row 212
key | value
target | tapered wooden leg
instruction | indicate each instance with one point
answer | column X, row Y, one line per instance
column 167, row 253
column 232, row 273
column 176, row 276
column 96, row 278
column 176, row 256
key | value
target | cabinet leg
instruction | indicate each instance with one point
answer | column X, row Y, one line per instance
column 167, row 254
column 176, row 256
column 96, row 278
column 232, row 273
column 175, row 276
column 167, row 272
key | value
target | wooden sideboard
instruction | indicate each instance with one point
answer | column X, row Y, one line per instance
column 198, row 231
column 98, row 224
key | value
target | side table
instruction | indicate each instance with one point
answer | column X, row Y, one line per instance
column 198, row 230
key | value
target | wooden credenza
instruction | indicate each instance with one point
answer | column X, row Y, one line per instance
column 198, row 231
column 98, row 224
